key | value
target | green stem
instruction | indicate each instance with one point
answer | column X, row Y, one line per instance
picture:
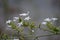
column 45, row 36
column 18, row 35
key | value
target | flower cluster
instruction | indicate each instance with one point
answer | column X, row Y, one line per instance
column 49, row 20
column 19, row 19
column 17, row 22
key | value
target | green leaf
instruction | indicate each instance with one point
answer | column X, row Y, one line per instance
column 56, row 30
column 20, row 20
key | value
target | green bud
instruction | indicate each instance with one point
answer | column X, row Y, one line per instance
column 49, row 25
column 25, row 24
column 20, row 29
column 32, row 25
column 13, row 25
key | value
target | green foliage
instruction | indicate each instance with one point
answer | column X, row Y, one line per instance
column 20, row 20
column 49, row 25
column 32, row 25
column 25, row 24
column 4, row 36
column 13, row 26
column 52, row 28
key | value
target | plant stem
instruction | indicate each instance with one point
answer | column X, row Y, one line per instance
column 19, row 35
column 45, row 36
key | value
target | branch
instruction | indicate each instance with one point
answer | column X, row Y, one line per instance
column 45, row 36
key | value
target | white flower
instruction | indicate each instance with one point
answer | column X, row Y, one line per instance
column 27, row 18
column 15, row 18
column 32, row 30
column 24, row 14
column 54, row 19
column 16, row 39
column 8, row 21
column 47, row 19
column 19, row 24
column 44, row 23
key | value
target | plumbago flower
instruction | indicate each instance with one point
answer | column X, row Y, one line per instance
column 15, row 18
column 24, row 14
column 8, row 22
column 20, row 21
column 44, row 23
column 54, row 19
column 19, row 24
column 27, row 18
column 48, row 20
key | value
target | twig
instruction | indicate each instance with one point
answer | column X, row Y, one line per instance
column 45, row 36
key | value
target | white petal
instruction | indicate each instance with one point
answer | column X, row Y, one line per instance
column 54, row 19
column 47, row 19
column 27, row 18
column 8, row 21
column 15, row 18
column 44, row 23
column 19, row 24
column 24, row 14
column 32, row 30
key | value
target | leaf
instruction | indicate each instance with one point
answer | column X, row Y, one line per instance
column 20, row 20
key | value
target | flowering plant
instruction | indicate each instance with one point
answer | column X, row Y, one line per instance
column 18, row 24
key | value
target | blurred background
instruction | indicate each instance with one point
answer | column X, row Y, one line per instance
column 39, row 9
